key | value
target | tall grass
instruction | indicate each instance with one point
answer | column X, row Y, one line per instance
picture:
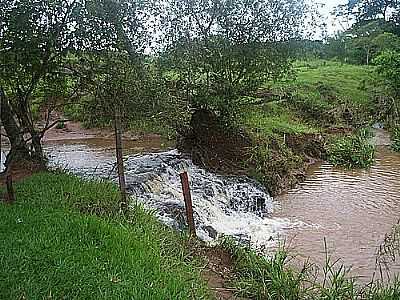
column 274, row 278
column 396, row 139
column 352, row 151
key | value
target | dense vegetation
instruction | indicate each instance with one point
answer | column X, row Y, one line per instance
column 85, row 58
column 355, row 151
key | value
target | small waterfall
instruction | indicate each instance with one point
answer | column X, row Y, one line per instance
column 223, row 205
column 235, row 206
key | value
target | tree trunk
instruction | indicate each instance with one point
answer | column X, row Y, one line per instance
column 37, row 149
column 120, row 162
column 19, row 150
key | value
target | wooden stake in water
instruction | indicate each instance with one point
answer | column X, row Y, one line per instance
column 188, row 203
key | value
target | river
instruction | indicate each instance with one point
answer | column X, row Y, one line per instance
column 353, row 210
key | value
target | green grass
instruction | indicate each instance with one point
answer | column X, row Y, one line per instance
column 347, row 81
column 270, row 119
column 64, row 239
column 353, row 151
column 259, row 277
column 317, row 97
column 322, row 92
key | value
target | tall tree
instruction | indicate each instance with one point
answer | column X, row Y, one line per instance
column 222, row 50
column 42, row 41
column 372, row 9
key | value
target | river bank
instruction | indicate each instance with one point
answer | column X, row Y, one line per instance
column 64, row 237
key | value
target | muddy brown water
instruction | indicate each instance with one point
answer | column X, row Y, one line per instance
column 353, row 210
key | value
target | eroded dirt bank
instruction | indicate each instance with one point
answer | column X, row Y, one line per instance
column 278, row 164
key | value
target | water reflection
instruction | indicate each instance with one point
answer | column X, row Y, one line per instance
column 352, row 209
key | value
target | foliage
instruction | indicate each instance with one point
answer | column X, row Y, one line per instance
column 388, row 65
column 370, row 9
column 50, row 249
column 218, row 58
column 396, row 139
column 371, row 26
column 386, row 41
column 388, row 68
column 42, row 45
column 273, row 163
column 354, row 151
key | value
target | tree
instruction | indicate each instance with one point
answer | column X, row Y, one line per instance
column 119, row 81
column 34, row 39
column 222, row 51
column 43, row 42
column 372, row 9
column 388, row 67
column 386, row 42
column 363, row 35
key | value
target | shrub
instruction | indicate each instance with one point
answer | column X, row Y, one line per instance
column 354, row 151
column 396, row 139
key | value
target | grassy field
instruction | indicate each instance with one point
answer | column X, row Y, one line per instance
column 64, row 239
column 348, row 82
column 317, row 96
column 292, row 120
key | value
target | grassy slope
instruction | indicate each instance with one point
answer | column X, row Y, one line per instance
column 50, row 249
column 290, row 115
column 348, row 81
column 319, row 87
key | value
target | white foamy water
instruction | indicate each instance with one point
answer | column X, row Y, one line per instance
column 235, row 206
column 223, row 205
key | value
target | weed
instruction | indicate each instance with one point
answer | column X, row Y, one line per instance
column 353, row 151
column 261, row 277
column 396, row 139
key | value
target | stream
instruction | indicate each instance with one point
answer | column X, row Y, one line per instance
column 353, row 210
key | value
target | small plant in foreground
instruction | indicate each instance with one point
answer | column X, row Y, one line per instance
column 60, row 125
column 354, row 151
column 396, row 139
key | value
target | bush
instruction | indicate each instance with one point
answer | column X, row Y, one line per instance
column 354, row 151
column 396, row 139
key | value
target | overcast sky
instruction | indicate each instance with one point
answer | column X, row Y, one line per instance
column 329, row 5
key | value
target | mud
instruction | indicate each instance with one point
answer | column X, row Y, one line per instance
column 230, row 151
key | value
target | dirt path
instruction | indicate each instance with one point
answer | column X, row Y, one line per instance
column 218, row 272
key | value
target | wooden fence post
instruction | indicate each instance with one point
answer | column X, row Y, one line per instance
column 120, row 160
column 10, row 197
column 188, row 203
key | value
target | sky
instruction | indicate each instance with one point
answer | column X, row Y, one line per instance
column 328, row 7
